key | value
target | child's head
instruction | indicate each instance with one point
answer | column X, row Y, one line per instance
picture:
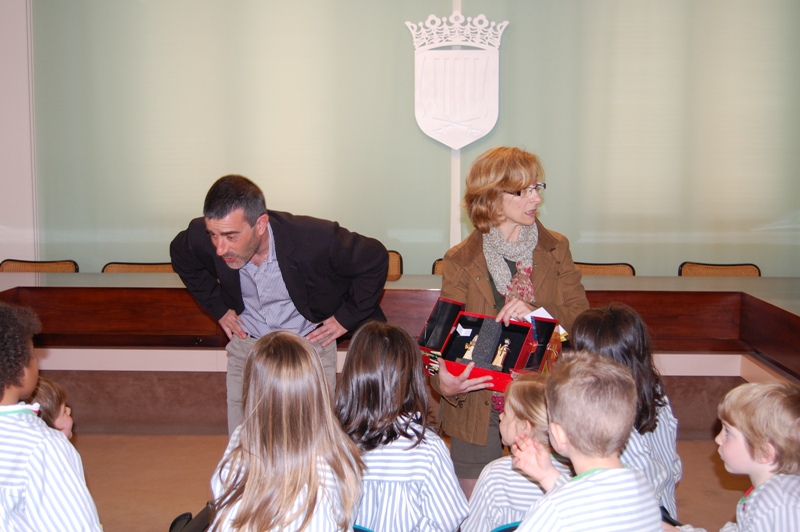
column 767, row 415
column 383, row 386
column 618, row 332
column 593, row 399
column 285, row 394
column 53, row 407
column 525, row 409
column 289, row 428
column 19, row 369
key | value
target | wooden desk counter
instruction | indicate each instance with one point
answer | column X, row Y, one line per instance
column 688, row 314
column 152, row 361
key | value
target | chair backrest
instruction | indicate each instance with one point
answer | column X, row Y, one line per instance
column 395, row 265
column 606, row 268
column 704, row 269
column 138, row 267
column 436, row 269
column 48, row 266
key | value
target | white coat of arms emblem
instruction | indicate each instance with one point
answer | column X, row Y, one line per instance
column 457, row 77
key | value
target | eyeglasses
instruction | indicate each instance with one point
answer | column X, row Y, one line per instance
column 528, row 192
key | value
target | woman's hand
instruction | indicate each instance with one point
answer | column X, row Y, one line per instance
column 514, row 309
column 450, row 384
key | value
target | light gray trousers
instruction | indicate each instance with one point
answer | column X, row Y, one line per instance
column 238, row 349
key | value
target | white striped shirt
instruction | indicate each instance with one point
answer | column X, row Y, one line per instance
column 503, row 495
column 617, row 499
column 772, row 507
column 42, row 486
column 411, row 489
column 656, row 455
column 329, row 503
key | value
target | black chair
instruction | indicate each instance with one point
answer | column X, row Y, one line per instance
column 199, row 523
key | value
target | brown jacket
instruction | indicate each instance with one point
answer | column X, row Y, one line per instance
column 557, row 288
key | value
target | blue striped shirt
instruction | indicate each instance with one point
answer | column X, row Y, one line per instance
column 503, row 495
column 617, row 499
column 267, row 305
column 42, row 486
column 411, row 489
column 656, row 455
column 772, row 507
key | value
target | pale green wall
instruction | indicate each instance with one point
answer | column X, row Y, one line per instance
column 669, row 129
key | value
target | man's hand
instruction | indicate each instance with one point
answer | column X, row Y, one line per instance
column 450, row 384
column 231, row 325
column 326, row 333
column 533, row 458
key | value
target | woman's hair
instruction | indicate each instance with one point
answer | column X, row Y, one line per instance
column 495, row 171
column 619, row 333
column 767, row 413
column 525, row 397
column 289, row 429
column 383, row 387
column 51, row 397
column 18, row 325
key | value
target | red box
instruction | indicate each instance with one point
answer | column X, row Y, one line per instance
column 449, row 329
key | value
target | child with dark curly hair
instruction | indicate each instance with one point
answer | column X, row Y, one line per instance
column 42, row 486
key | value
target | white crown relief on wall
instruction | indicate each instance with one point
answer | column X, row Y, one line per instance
column 456, row 30
column 456, row 96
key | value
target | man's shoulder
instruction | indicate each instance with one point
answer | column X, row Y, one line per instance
column 194, row 233
column 282, row 218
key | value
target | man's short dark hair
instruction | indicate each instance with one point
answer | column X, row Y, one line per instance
column 232, row 192
column 17, row 327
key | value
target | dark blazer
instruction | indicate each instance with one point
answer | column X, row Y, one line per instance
column 328, row 270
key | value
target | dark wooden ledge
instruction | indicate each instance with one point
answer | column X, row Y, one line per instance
column 683, row 321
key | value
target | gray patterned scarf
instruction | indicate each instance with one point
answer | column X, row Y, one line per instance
column 496, row 249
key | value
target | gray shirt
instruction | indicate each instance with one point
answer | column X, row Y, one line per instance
column 267, row 305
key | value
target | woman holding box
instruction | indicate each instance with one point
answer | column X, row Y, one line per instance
column 507, row 267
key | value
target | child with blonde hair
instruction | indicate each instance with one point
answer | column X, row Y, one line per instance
column 591, row 405
column 760, row 438
column 503, row 494
column 53, row 407
column 382, row 402
column 288, row 466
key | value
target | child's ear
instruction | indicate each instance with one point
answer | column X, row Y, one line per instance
column 558, row 438
column 526, row 428
column 767, row 455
